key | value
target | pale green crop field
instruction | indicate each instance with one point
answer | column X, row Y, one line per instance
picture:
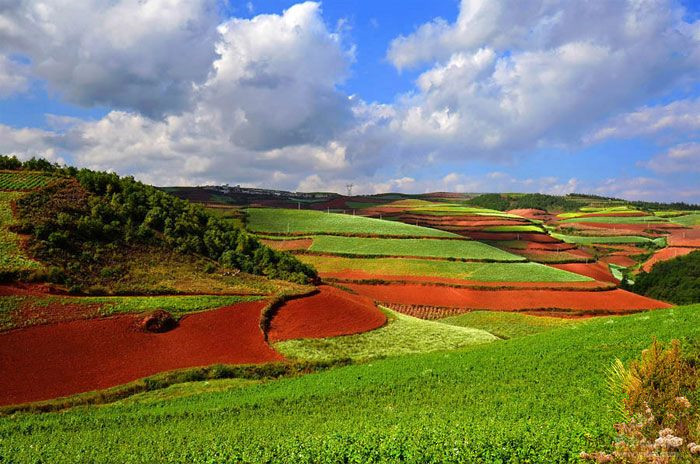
column 458, row 249
column 292, row 221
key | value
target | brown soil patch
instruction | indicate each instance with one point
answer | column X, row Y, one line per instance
column 689, row 238
column 329, row 313
column 617, row 300
column 286, row 245
column 50, row 361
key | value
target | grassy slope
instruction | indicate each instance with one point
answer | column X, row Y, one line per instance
column 541, row 398
column 402, row 335
column 507, row 325
column 461, row 249
column 485, row 272
column 618, row 220
column 308, row 222
column 688, row 220
column 12, row 258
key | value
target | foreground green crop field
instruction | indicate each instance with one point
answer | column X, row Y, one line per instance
column 402, row 335
column 484, row 272
column 460, row 249
column 294, row 221
column 507, row 325
column 539, row 399
column 12, row 257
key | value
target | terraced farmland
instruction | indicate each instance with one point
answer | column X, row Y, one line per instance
column 455, row 249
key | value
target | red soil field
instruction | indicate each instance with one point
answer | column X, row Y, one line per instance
column 50, row 361
column 685, row 238
column 665, row 254
column 559, row 246
column 285, row 245
column 22, row 289
column 620, row 260
column 614, row 301
column 530, row 213
column 598, row 271
column 356, row 275
column 329, row 313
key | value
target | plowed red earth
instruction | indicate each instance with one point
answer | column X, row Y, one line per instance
column 300, row 244
column 685, row 238
column 50, row 361
column 615, row 301
column 620, row 260
column 666, row 254
column 329, row 313
column 597, row 271
column 355, row 275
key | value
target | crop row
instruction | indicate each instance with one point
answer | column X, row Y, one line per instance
column 19, row 180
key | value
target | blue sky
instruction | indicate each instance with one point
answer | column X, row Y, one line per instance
column 557, row 97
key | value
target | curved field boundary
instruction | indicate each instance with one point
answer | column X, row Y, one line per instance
column 328, row 313
column 67, row 358
column 613, row 301
column 298, row 235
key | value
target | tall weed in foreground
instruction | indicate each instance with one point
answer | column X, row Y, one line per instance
column 660, row 408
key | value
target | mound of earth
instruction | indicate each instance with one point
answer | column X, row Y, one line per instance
column 50, row 361
column 157, row 321
column 329, row 313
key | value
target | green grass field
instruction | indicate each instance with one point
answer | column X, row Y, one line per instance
column 540, row 399
column 519, row 228
column 484, row 272
column 12, row 257
column 283, row 221
column 619, row 220
column 507, row 325
column 688, row 220
column 23, row 180
column 590, row 240
column 460, row 249
column 402, row 335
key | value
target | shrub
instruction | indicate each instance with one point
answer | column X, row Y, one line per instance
column 660, row 408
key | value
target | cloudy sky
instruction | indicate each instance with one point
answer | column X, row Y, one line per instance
column 552, row 96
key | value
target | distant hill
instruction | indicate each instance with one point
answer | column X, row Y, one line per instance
column 90, row 228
